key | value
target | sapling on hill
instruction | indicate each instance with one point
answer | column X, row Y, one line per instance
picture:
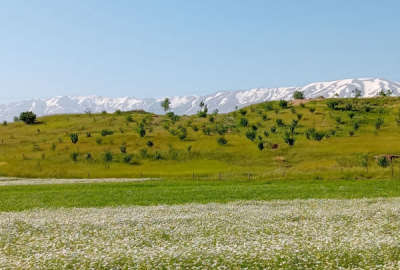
column 244, row 122
column 379, row 122
column 288, row 138
column 283, row 104
column 222, row 141
column 251, row 135
column 260, row 146
column 165, row 104
column 149, row 143
column 74, row 137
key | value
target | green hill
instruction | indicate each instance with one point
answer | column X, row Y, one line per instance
column 331, row 139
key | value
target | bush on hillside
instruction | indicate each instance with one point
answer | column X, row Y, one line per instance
column 283, row 104
column 28, row 117
column 222, row 141
column 251, row 135
column 74, row 137
column 298, row 95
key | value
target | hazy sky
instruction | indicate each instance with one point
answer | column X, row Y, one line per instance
column 158, row 48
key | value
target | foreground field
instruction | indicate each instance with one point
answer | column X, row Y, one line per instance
column 317, row 234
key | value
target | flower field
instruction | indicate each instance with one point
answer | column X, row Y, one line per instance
column 298, row 234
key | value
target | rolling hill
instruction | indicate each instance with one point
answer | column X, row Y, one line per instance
column 318, row 139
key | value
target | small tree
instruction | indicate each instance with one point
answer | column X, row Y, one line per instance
column 260, row 146
column 383, row 161
column 283, row 104
column 298, row 95
column 222, row 141
column 165, row 104
column 244, row 122
column 122, row 148
column 378, row 123
column 74, row 137
column 28, row 118
column 289, row 138
column 364, row 161
column 108, row 156
column 142, row 131
column 251, row 135
column 74, row 156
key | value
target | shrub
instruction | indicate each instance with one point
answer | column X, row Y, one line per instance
column 260, row 146
column 351, row 115
column 129, row 118
column 273, row 129
column 211, row 119
column 283, row 104
column 251, row 135
column 157, row 156
column 383, row 162
column 280, row 123
column 150, row 143
column 268, row 106
column 298, row 95
column 74, row 137
column 206, row 130
column 141, row 131
column 338, row 120
column 254, row 127
column 28, row 117
column 106, row 132
column 266, row 134
column 202, row 114
column 127, row 158
column 288, row 138
column 182, row 134
column 378, row 123
column 74, row 156
column 88, row 134
column 195, row 128
column 16, row 119
column 299, row 116
column 99, row 140
column 356, row 125
column 165, row 104
column 351, row 133
column 222, row 141
column 243, row 112
column 5, row 123
column 311, row 133
column 244, row 122
column 118, row 112
column 332, row 104
column 264, row 117
column 311, row 109
column 108, row 156
column 89, row 156
column 122, row 148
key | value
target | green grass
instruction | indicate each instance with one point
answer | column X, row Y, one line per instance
column 171, row 192
column 45, row 149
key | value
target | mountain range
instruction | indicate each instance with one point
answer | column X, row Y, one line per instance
column 224, row 101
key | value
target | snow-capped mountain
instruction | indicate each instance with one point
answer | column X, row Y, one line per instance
column 224, row 101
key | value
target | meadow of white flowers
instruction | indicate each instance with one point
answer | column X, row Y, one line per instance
column 310, row 234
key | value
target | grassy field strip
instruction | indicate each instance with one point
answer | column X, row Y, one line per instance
column 34, row 181
column 299, row 234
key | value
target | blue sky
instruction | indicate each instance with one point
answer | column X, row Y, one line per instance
column 159, row 48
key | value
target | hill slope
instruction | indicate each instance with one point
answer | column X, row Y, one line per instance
column 225, row 101
column 329, row 142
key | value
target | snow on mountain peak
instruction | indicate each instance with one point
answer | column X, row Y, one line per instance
column 224, row 101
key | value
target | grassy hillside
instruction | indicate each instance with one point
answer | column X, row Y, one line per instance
column 332, row 139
